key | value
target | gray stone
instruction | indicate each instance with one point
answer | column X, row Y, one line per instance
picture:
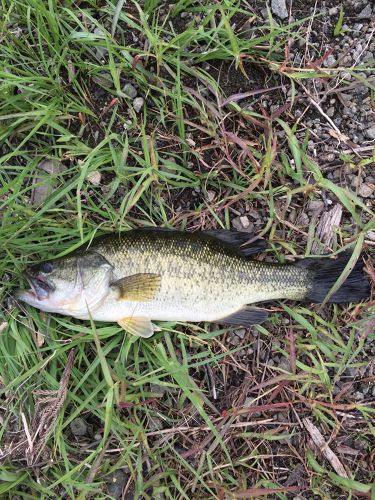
column 365, row 190
column 211, row 196
column 116, row 483
column 329, row 61
column 241, row 332
column 234, row 339
column 138, row 104
column 130, row 90
column 331, row 111
column 158, row 390
column 333, row 11
column 278, row 7
column 365, row 13
column 370, row 133
column 78, row 427
column 316, row 205
column 238, row 223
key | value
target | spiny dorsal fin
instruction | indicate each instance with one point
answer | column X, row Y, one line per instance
column 138, row 287
column 140, row 327
column 245, row 317
column 239, row 240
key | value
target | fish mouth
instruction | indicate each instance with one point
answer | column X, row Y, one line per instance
column 40, row 287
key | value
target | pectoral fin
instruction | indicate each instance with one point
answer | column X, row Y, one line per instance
column 140, row 327
column 138, row 287
column 245, row 317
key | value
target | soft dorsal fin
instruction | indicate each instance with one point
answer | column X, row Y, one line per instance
column 140, row 327
column 237, row 239
column 138, row 287
column 245, row 317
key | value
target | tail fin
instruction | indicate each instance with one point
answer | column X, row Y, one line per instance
column 325, row 272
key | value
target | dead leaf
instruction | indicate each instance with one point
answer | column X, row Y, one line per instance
column 43, row 184
column 324, row 231
column 94, row 177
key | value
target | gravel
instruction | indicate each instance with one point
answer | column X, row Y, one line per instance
column 116, row 483
column 279, row 8
column 138, row 104
column 130, row 90
column 78, row 427
column 242, row 223
column 365, row 190
column 329, row 61
column 370, row 133
column 365, row 13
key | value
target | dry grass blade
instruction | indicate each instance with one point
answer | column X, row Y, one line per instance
column 320, row 442
column 29, row 444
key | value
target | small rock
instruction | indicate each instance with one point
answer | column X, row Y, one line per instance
column 329, row 61
column 238, row 223
column 284, row 365
column 246, row 30
column 127, row 124
column 130, row 90
column 356, row 182
column 116, row 483
column 330, row 111
column 104, row 79
column 370, row 133
column 138, row 104
column 358, row 396
column 241, row 332
column 369, row 56
column 278, row 7
column 78, row 427
column 183, row 15
column 155, row 424
column 360, row 444
column 302, row 219
column 245, row 221
column 94, row 177
column 157, row 389
column 365, row 190
column 333, row 11
column 365, row 13
column 211, row 195
column 234, row 339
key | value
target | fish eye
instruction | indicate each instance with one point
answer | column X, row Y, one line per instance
column 46, row 267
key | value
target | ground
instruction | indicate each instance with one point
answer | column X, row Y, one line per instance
column 192, row 115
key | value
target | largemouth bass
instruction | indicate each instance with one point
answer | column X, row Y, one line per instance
column 142, row 275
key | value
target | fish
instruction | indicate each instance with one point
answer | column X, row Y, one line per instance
column 144, row 275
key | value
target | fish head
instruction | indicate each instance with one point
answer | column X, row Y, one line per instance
column 74, row 285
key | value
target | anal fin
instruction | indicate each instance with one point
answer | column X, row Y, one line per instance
column 140, row 327
column 245, row 317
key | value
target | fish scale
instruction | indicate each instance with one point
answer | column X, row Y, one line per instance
column 202, row 279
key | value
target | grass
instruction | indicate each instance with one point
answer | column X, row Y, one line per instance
column 187, row 413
